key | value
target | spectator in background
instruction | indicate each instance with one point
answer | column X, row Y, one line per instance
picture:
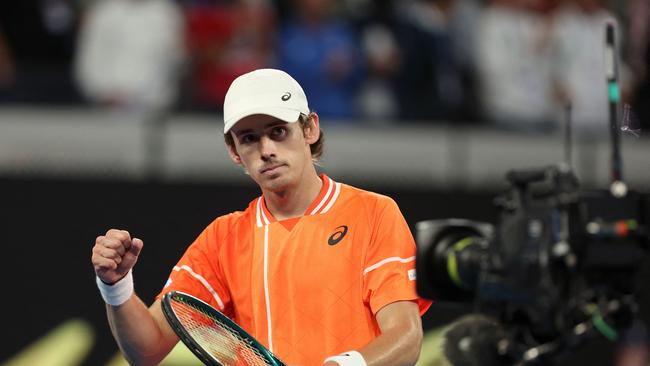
column 226, row 39
column 322, row 53
column 129, row 54
column 129, row 58
column 462, row 27
column 36, row 49
column 377, row 22
column 514, row 65
column 579, row 66
column 430, row 78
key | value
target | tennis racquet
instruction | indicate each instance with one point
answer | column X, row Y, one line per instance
column 211, row 336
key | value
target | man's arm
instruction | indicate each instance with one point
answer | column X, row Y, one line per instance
column 400, row 340
column 143, row 335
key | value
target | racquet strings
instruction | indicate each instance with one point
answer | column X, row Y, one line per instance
column 219, row 340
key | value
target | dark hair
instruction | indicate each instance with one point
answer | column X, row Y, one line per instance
column 305, row 121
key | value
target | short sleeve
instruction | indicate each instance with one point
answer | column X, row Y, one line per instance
column 389, row 269
column 198, row 272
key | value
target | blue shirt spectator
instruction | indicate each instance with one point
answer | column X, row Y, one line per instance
column 322, row 54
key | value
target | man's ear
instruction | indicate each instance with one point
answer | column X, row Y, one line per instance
column 312, row 133
column 233, row 154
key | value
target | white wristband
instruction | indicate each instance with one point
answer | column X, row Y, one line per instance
column 117, row 293
column 350, row 358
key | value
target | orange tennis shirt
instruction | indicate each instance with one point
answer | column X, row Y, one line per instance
column 309, row 287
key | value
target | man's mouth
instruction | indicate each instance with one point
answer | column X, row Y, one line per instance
column 272, row 168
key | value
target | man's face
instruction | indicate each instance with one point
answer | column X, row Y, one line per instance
column 274, row 153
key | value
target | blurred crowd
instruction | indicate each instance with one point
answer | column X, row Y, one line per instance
column 515, row 64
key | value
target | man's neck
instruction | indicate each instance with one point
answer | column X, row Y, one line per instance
column 293, row 201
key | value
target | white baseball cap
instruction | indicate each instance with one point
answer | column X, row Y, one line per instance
column 264, row 91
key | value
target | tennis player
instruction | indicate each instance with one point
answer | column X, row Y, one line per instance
column 318, row 271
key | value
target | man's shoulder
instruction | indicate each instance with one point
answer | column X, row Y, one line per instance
column 231, row 217
column 366, row 197
column 237, row 217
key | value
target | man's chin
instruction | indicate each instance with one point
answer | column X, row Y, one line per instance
column 276, row 182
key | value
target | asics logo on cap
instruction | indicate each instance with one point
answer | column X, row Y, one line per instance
column 286, row 96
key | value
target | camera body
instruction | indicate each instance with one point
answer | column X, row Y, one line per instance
column 557, row 260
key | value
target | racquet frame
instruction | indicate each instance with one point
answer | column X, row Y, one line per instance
column 211, row 312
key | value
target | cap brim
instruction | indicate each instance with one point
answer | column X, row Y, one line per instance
column 283, row 114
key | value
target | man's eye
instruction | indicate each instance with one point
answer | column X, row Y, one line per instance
column 247, row 139
column 278, row 132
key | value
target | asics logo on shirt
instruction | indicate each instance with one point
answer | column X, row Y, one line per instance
column 286, row 96
column 338, row 235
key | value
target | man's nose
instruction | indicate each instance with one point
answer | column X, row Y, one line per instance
column 267, row 148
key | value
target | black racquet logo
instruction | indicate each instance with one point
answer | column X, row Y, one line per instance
column 338, row 235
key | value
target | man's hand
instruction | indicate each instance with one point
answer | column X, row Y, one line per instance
column 114, row 254
column 401, row 336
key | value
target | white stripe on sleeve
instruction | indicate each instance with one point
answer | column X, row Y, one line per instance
column 204, row 282
column 386, row 261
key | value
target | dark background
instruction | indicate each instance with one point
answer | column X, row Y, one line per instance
column 48, row 227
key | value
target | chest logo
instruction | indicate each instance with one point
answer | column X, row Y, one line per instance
column 338, row 235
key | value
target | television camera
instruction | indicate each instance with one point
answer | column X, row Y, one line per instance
column 560, row 266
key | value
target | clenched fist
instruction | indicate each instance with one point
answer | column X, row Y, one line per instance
column 114, row 254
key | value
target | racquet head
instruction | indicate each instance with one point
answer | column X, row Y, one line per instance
column 211, row 336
